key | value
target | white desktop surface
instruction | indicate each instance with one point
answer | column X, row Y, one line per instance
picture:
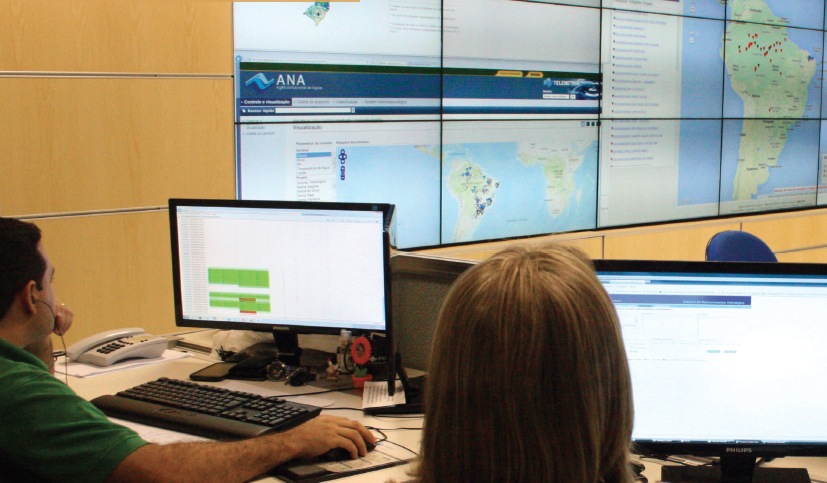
column 91, row 387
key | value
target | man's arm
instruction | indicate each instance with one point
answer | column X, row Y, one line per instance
column 241, row 460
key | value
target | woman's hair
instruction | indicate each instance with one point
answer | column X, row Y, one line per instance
column 528, row 378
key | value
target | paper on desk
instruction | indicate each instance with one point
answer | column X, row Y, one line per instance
column 384, row 454
column 376, row 395
column 79, row 369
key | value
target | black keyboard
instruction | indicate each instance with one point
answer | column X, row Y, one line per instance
column 204, row 410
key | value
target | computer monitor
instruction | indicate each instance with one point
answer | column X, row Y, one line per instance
column 288, row 268
column 727, row 359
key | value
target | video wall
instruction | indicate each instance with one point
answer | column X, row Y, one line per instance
column 492, row 119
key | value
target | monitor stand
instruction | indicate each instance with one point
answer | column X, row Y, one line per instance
column 288, row 346
column 414, row 390
column 733, row 469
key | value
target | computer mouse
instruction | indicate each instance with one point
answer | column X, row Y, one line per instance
column 340, row 454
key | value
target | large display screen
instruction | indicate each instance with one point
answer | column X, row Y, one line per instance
column 505, row 118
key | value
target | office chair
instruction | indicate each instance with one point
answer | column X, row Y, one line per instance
column 738, row 246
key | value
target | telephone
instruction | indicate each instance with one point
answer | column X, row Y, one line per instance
column 107, row 348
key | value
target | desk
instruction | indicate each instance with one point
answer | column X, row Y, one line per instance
column 181, row 369
column 111, row 383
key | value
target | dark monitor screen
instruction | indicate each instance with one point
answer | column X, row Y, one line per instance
column 299, row 267
column 727, row 359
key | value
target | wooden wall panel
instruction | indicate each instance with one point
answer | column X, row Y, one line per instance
column 79, row 144
column 799, row 237
column 112, row 270
column 818, row 255
column 591, row 245
column 116, row 36
column 675, row 242
column 791, row 232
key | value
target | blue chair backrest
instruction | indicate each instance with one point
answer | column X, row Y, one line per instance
column 738, row 246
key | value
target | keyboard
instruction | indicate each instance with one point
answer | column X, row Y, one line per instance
column 203, row 410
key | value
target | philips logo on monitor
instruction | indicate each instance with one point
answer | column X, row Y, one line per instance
column 260, row 80
column 739, row 450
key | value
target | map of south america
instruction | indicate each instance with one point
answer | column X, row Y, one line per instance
column 475, row 192
column 771, row 75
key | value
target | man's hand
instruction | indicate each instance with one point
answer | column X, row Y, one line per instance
column 325, row 432
column 63, row 318
column 43, row 348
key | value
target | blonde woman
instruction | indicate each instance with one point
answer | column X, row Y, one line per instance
column 528, row 379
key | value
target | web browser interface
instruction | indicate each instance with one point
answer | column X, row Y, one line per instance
column 661, row 110
column 719, row 358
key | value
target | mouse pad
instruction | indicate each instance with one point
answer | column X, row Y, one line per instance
column 385, row 455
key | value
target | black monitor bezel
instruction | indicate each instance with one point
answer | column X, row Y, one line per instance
column 735, row 449
column 386, row 209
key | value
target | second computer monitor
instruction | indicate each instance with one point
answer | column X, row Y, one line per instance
column 727, row 359
column 281, row 267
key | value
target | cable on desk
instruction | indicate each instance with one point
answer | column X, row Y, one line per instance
column 385, row 438
column 342, row 409
column 326, row 391
column 399, row 416
column 396, row 429
column 379, row 430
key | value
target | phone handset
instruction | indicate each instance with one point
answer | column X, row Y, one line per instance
column 108, row 347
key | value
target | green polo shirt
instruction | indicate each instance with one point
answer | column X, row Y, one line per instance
column 49, row 433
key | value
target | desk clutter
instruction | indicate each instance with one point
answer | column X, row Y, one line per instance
column 344, row 362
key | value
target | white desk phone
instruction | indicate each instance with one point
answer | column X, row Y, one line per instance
column 107, row 348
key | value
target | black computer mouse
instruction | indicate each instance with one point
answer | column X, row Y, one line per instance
column 340, row 454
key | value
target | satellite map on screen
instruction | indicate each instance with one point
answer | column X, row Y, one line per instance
column 772, row 84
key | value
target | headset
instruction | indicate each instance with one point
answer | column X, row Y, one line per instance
column 54, row 325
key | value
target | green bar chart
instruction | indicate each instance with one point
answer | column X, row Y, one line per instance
column 246, row 302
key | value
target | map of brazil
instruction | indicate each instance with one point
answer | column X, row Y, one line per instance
column 771, row 70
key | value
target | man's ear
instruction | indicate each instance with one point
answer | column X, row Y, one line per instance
column 27, row 296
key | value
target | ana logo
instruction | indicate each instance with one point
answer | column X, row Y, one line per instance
column 260, row 80
column 290, row 80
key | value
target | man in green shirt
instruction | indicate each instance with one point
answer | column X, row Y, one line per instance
column 49, row 433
